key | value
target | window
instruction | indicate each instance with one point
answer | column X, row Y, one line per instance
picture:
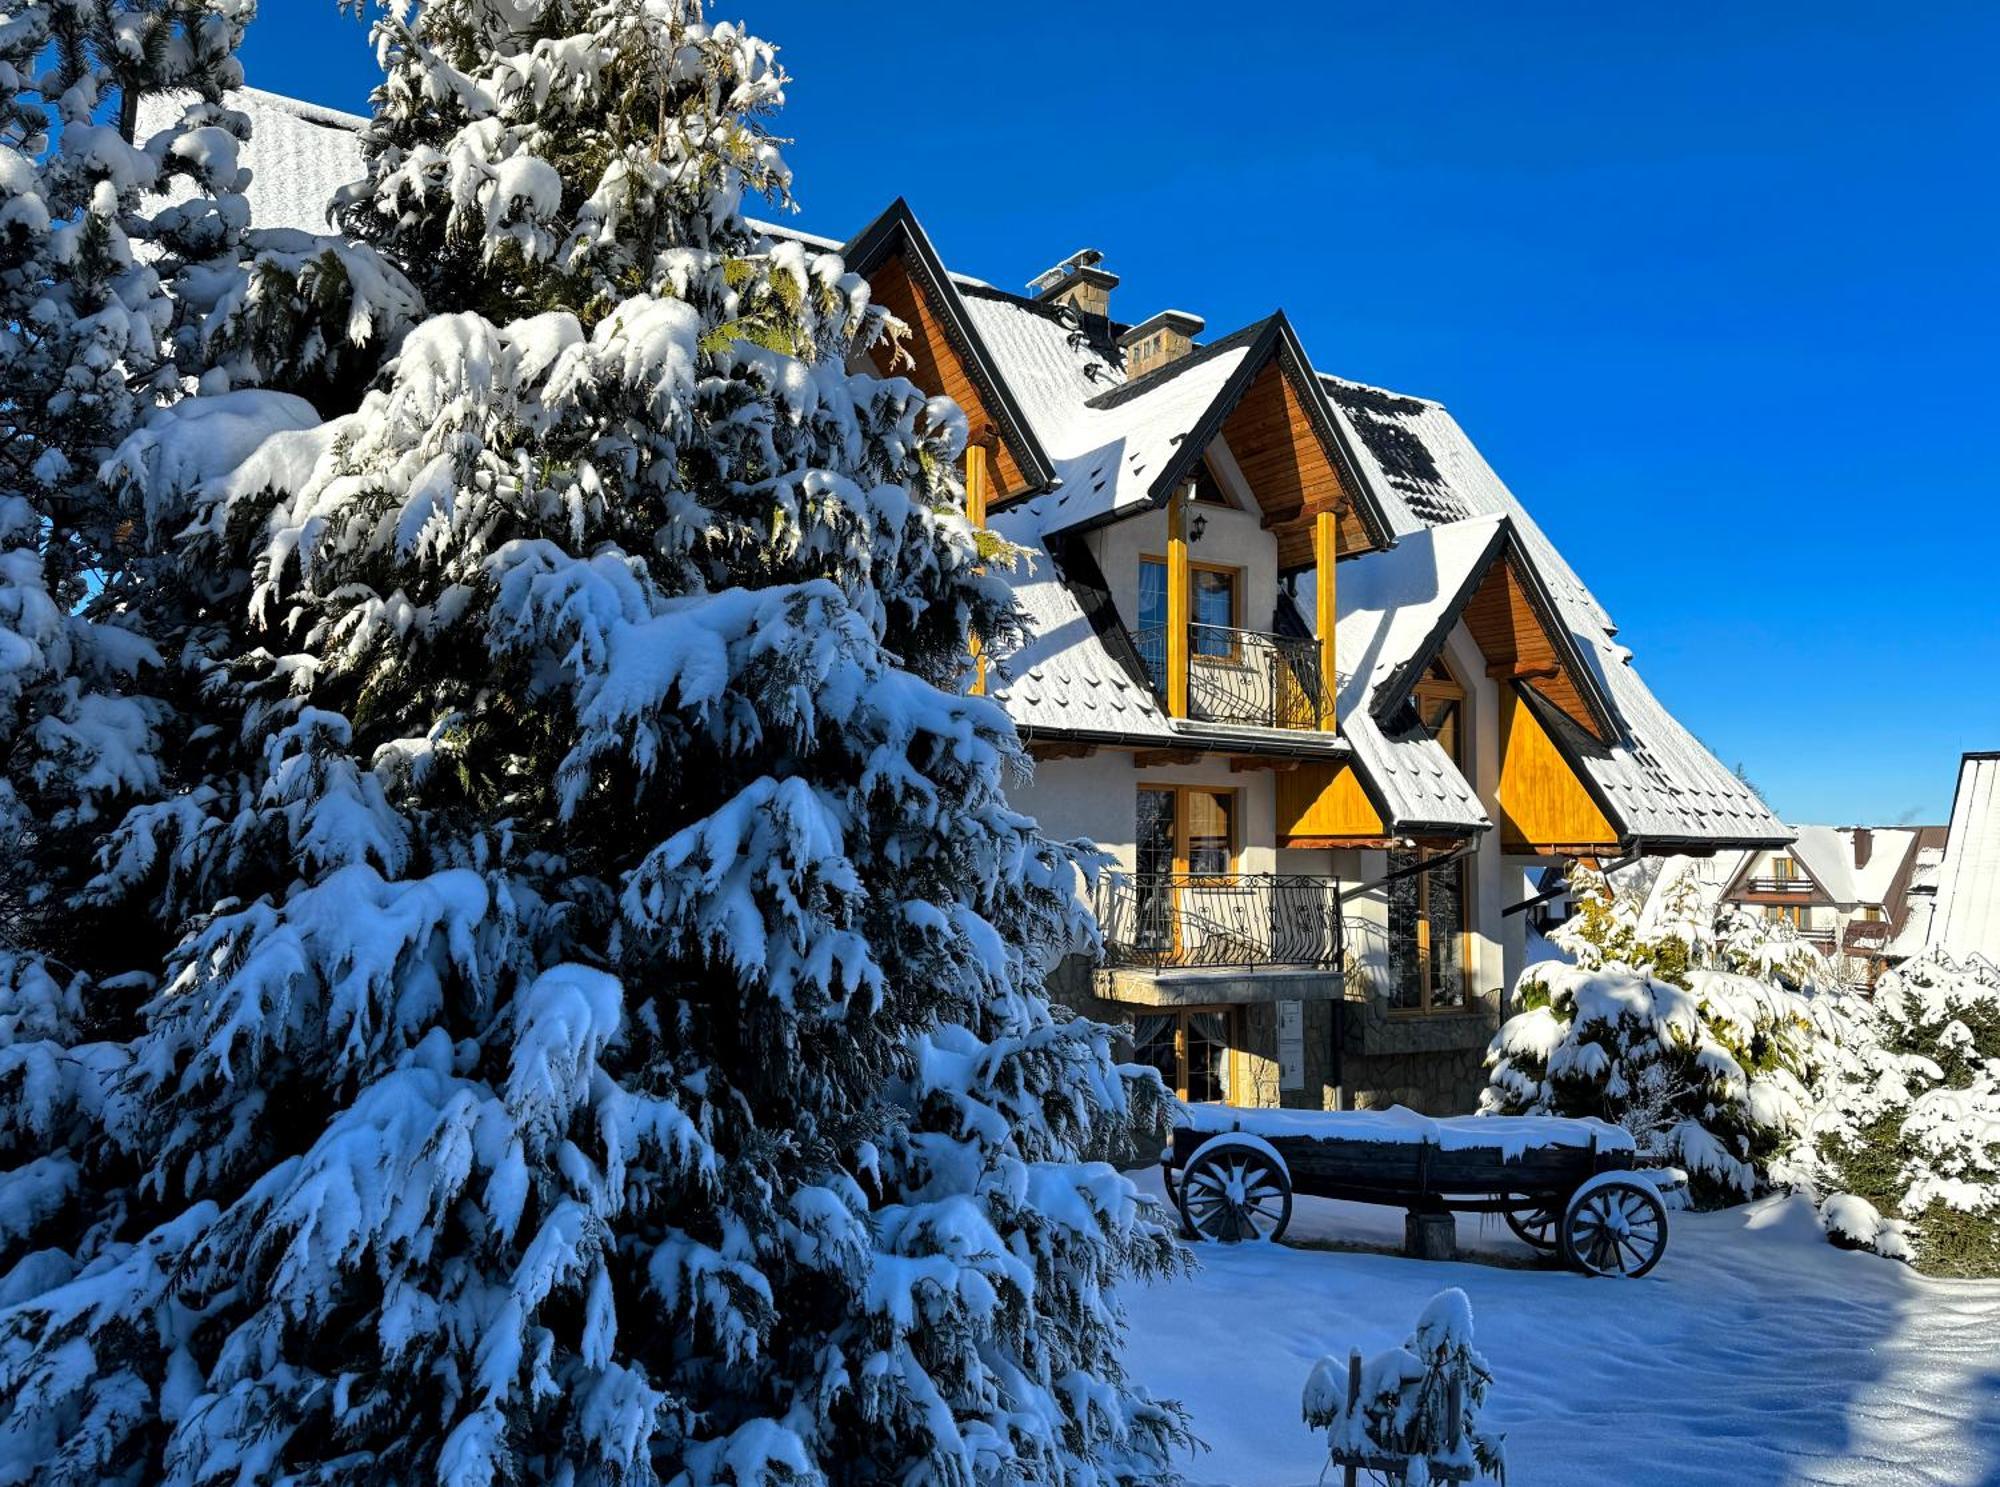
column 1185, row 833
column 1427, row 934
column 1430, row 913
column 1792, row 914
column 1215, row 607
column 1187, row 830
column 1190, row 1048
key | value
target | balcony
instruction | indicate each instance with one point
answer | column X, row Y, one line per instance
column 1246, row 921
column 1785, row 887
column 1245, row 678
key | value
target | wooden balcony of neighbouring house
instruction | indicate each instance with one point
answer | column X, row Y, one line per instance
column 1240, row 678
column 1178, row 939
column 1866, row 936
column 1783, row 890
column 1821, row 940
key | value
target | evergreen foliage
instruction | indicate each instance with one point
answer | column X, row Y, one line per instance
column 1415, row 1416
column 1694, row 1034
column 1904, row 1147
column 595, row 1033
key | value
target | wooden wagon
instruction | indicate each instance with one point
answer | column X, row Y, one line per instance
column 1566, row 1187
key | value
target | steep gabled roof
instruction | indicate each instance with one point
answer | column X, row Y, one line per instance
column 1130, row 446
column 1966, row 921
column 897, row 235
column 1654, row 781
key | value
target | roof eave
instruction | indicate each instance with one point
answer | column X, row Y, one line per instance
column 897, row 226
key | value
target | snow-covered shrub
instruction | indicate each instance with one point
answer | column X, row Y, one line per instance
column 1417, row 1407
column 576, row 1009
column 1904, row 1145
column 1696, row 1035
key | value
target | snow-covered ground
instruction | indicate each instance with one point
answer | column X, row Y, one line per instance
column 1756, row 1355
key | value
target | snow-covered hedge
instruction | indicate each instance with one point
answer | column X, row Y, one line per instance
column 1417, row 1405
column 1904, row 1144
column 1694, row 1035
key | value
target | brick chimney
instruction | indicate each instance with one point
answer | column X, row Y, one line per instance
column 1165, row 338
column 1864, row 846
column 1079, row 282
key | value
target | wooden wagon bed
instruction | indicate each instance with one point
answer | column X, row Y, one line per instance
column 1564, row 1186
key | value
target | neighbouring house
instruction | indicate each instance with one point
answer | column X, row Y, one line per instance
column 1847, row 890
column 1965, row 918
column 1296, row 660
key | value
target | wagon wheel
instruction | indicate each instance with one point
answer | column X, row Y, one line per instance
column 1615, row 1226
column 1231, row 1193
column 1537, row 1224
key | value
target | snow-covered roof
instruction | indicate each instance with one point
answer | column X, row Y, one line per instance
column 1829, row 858
column 1107, row 446
column 1062, row 678
column 1390, row 605
column 1074, row 674
column 1966, row 921
column 299, row 155
column 1659, row 785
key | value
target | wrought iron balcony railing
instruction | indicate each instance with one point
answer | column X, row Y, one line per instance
column 1245, row 677
column 1244, row 921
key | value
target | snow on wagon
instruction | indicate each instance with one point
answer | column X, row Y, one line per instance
column 1564, row 1186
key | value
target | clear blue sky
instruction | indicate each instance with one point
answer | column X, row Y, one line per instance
column 1714, row 288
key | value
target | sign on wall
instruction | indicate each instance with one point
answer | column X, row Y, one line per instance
column 1291, row 1045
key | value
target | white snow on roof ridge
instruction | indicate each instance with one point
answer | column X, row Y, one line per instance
column 304, row 109
column 1966, row 921
column 1828, row 857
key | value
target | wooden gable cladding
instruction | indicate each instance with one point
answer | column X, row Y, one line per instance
column 1325, row 805
column 939, row 368
column 1544, row 806
column 1519, row 644
column 1287, row 467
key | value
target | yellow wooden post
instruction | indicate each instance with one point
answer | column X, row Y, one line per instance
column 1178, row 588
column 1326, row 552
column 975, row 512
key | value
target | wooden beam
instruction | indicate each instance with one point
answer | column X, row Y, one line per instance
column 1154, row 758
column 1177, row 605
column 976, row 492
column 1252, row 763
column 1326, row 554
column 1341, row 843
column 1055, row 750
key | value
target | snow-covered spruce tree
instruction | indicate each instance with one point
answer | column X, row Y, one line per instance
column 604, row 1040
column 1695, row 1035
column 1904, row 1146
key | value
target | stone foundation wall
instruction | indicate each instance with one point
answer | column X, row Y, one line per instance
column 1357, row 1056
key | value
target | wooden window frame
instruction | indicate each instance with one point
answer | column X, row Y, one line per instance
column 1180, row 793
column 1238, row 583
column 1183, row 1017
column 1442, row 685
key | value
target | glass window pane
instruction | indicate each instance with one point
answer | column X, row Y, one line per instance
column 1214, row 605
column 1447, row 915
column 1441, row 718
column 1211, row 832
column 1156, row 865
column 1208, row 1056
column 1406, row 985
column 1153, row 1046
column 1152, row 634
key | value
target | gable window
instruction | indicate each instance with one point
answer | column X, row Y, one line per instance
column 1430, row 913
column 1191, row 1049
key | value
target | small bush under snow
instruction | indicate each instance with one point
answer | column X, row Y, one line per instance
column 1417, row 1409
column 1904, row 1142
